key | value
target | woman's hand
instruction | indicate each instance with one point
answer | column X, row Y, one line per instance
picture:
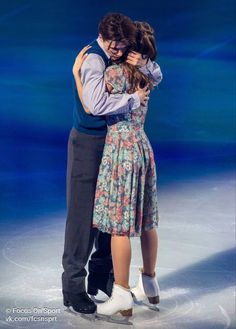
column 79, row 60
column 136, row 59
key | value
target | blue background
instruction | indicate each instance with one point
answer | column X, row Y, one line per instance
column 191, row 122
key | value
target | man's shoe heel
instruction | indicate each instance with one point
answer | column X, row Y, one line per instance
column 67, row 303
column 154, row 300
column 92, row 290
column 128, row 312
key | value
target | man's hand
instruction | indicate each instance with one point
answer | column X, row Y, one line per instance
column 143, row 95
column 136, row 59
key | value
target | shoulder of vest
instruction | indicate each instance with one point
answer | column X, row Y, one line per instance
column 95, row 49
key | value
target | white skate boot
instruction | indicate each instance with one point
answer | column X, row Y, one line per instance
column 147, row 287
column 121, row 301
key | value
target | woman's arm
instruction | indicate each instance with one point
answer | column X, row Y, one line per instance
column 79, row 88
column 109, row 87
column 76, row 72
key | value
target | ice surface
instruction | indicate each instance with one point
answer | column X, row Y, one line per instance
column 196, row 264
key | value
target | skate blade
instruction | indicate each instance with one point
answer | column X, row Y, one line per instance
column 89, row 317
column 152, row 307
column 114, row 319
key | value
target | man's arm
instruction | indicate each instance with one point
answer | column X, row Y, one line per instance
column 95, row 97
column 146, row 66
column 153, row 71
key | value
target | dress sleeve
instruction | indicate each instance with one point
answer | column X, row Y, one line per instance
column 114, row 76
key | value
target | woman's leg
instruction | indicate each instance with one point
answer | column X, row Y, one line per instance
column 121, row 258
column 121, row 299
column 149, row 245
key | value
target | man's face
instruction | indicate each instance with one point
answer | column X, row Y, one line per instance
column 115, row 49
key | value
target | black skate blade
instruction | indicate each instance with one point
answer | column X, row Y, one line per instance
column 90, row 317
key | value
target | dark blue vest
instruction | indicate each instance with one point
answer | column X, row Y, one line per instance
column 83, row 122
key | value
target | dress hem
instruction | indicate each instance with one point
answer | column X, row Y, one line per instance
column 126, row 233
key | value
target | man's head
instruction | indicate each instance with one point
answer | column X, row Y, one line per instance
column 118, row 33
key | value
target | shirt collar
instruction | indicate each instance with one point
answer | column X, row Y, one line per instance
column 99, row 41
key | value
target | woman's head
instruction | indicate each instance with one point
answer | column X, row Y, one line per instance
column 145, row 40
column 145, row 44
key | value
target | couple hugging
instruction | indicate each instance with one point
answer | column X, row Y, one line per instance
column 111, row 174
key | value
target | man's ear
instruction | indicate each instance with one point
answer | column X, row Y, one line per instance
column 100, row 36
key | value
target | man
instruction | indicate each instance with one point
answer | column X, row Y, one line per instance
column 85, row 148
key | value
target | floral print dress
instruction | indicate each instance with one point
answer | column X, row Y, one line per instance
column 126, row 192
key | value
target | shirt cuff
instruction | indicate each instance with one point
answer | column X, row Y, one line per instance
column 136, row 102
column 146, row 69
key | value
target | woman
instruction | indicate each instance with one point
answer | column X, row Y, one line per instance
column 126, row 197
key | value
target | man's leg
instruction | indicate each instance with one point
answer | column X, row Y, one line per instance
column 100, row 266
column 84, row 156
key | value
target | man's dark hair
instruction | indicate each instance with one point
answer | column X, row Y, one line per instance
column 117, row 27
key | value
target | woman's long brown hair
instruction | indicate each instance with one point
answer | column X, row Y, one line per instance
column 145, row 44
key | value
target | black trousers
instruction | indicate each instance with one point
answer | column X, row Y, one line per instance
column 84, row 157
